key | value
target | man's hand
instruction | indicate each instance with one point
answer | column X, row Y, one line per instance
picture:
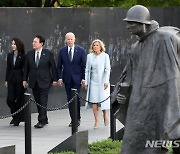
column 120, row 98
column 86, row 87
column 105, row 86
column 54, row 83
column 83, row 83
column 25, row 84
column 6, row 84
column 60, row 82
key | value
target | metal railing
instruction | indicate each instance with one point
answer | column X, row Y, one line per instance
column 27, row 106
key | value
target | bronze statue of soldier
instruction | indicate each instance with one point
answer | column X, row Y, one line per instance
column 153, row 73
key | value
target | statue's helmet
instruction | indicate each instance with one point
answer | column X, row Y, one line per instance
column 138, row 13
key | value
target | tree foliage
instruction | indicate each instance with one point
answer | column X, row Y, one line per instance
column 87, row 3
column 163, row 3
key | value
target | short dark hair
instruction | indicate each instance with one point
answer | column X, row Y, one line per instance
column 19, row 45
column 41, row 39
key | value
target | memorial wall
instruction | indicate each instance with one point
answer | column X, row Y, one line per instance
column 86, row 23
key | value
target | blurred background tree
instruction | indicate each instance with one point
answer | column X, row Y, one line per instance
column 87, row 3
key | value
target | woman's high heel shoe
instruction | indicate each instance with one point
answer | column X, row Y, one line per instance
column 95, row 126
column 106, row 123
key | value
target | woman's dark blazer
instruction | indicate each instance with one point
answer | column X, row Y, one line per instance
column 14, row 73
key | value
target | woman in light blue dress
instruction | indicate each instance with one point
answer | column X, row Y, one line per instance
column 97, row 74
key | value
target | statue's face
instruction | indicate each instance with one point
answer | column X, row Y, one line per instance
column 134, row 28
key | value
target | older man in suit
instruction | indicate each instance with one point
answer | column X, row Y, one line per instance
column 71, row 69
column 40, row 69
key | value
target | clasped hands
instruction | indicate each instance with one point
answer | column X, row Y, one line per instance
column 60, row 82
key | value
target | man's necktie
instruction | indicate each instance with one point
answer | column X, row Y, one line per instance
column 70, row 55
column 37, row 59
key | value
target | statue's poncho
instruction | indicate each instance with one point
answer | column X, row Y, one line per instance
column 154, row 105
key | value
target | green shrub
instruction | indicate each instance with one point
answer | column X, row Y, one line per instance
column 106, row 146
column 171, row 150
column 63, row 152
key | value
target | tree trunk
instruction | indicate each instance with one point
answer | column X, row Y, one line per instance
column 34, row 3
column 49, row 3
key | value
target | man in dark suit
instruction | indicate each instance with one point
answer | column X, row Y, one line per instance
column 71, row 69
column 40, row 69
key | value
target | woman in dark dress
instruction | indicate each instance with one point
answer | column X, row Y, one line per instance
column 14, row 80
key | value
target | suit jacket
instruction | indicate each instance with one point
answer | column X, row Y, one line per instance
column 14, row 73
column 46, row 71
column 71, row 70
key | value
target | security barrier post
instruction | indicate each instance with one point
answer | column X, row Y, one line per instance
column 28, row 147
column 112, row 119
column 74, row 113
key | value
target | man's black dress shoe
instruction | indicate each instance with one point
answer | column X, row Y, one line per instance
column 11, row 122
column 39, row 125
column 46, row 123
column 16, row 123
column 70, row 125
column 78, row 124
